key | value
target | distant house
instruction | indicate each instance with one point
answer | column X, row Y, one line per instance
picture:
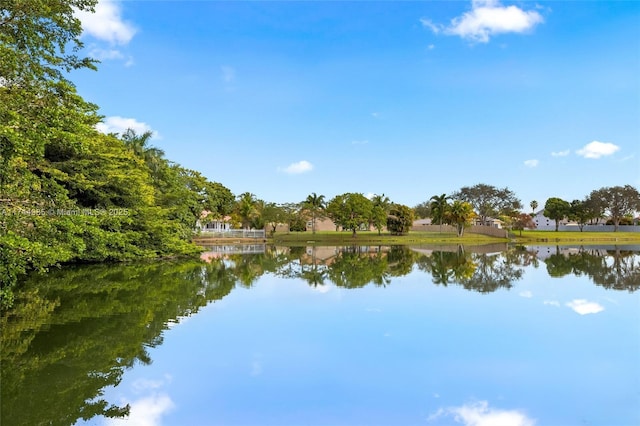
column 213, row 225
column 489, row 221
column 423, row 222
column 544, row 223
column 322, row 224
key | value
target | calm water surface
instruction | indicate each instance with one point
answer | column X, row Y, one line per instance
column 331, row 336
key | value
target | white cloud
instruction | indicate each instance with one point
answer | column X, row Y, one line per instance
column 526, row 294
column 119, row 125
column 479, row 414
column 552, row 302
column 487, row 18
column 597, row 149
column 322, row 288
column 531, row 163
column 106, row 23
column 560, row 153
column 105, row 54
column 584, row 307
column 435, row 28
column 297, row 168
column 375, row 114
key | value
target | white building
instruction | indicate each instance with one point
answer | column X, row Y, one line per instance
column 543, row 223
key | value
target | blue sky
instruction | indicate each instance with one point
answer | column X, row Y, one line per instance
column 409, row 99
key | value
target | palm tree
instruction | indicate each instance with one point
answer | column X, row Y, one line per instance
column 382, row 204
column 316, row 205
column 534, row 206
column 460, row 214
column 439, row 207
column 139, row 144
column 246, row 208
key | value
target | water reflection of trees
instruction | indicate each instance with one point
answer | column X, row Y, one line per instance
column 74, row 332
column 348, row 267
column 616, row 269
column 482, row 272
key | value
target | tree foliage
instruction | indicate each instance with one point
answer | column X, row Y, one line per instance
column 67, row 192
column 522, row 221
column 314, row 205
column 422, row 210
column 580, row 213
column 350, row 211
column 400, row 219
column 439, row 207
column 557, row 209
column 460, row 214
column 489, row 201
column 617, row 201
column 379, row 214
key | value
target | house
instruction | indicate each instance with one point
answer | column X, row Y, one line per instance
column 322, row 224
column 489, row 221
column 213, row 225
column 544, row 223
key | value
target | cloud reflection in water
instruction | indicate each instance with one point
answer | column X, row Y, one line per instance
column 584, row 307
column 148, row 410
column 480, row 414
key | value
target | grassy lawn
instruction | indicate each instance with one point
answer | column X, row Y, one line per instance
column 416, row 237
column 530, row 237
column 372, row 237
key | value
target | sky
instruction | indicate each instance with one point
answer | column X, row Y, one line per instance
column 404, row 98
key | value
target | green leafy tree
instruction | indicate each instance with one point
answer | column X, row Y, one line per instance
column 400, row 219
column 422, row 210
column 153, row 157
column 618, row 201
column 556, row 209
column 580, row 213
column 273, row 215
column 595, row 206
column 439, row 207
column 460, row 214
column 293, row 217
column 246, row 209
column 38, row 46
column 314, row 204
column 350, row 211
column 489, row 201
column 380, row 211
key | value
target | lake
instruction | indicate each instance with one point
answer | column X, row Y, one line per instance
column 260, row 335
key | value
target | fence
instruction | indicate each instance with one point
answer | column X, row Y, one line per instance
column 235, row 249
column 476, row 229
column 233, row 233
column 597, row 228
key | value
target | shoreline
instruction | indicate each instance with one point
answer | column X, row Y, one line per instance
column 345, row 238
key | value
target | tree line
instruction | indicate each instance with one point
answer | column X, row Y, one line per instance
column 618, row 204
column 69, row 193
